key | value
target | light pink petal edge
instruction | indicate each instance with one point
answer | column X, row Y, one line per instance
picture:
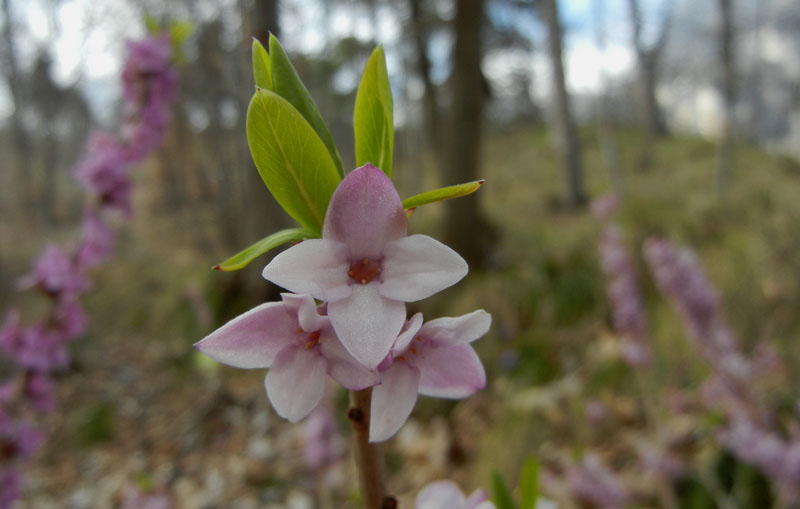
column 316, row 266
column 253, row 339
column 365, row 212
column 460, row 329
column 367, row 323
column 392, row 401
column 418, row 266
column 296, row 382
column 453, row 371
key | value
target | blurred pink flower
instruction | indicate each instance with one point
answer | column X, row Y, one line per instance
column 593, row 483
column 297, row 343
column 103, row 171
column 55, row 273
column 366, row 266
column 97, row 241
column 623, row 294
column 322, row 440
column 434, row 359
column 447, row 495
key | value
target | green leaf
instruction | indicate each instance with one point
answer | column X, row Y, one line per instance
column 261, row 72
column 241, row 259
column 286, row 83
column 151, row 24
column 291, row 159
column 501, row 496
column 529, row 484
column 373, row 122
column 444, row 193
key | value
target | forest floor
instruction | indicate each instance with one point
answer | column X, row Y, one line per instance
column 140, row 414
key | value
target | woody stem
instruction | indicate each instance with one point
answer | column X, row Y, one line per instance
column 369, row 457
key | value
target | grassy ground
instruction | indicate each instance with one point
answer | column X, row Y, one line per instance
column 139, row 408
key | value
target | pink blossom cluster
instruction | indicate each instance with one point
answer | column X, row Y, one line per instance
column 363, row 270
column 751, row 432
column 40, row 348
column 623, row 294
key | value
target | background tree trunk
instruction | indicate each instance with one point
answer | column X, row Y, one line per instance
column 728, row 92
column 466, row 230
column 419, row 34
column 22, row 142
column 567, row 135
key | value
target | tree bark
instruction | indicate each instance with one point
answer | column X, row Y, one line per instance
column 22, row 141
column 420, row 36
column 466, row 230
column 728, row 92
column 567, row 134
column 649, row 59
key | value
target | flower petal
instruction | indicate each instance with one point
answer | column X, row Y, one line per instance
column 296, row 382
column 477, row 498
column 365, row 213
column 305, row 309
column 343, row 367
column 460, row 329
column 440, row 495
column 409, row 331
column 452, row 371
column 418, row 266
column 315, row 266
column 393, row 400
column 367, row 323
column 251, row 340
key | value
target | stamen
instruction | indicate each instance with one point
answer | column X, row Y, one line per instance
column 413, row 350
column 364, row 270
column 313, row 340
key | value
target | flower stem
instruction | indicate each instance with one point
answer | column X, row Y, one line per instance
column 369, row 457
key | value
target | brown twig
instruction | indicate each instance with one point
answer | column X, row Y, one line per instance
column 369, row 459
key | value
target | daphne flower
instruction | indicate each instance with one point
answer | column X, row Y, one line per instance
column 447, row 495
column 298, row 344
column 366, row 266
column 434, row 359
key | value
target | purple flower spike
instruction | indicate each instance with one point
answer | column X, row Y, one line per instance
column 447, row 495
column 366, row 266
column 434, row 359
column 299, row 346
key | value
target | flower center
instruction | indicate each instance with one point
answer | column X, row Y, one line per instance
column 313, row 340
column 365, row 270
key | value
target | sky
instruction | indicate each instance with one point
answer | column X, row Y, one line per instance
column 86, row 39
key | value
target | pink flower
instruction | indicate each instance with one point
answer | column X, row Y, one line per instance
column 447, row 495
column 434, row 359
column 366, row 266
column 55, row 273
column 103, row 171
column 323, row 446
column 97, row 241
column 299, row 346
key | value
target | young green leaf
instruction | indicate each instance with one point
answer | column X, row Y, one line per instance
column 291, row 159
column 529, row 484
column 373, row 122
column 241, row 259
column 287, row 84
column 444, row 193
column 501, row 495
column 261, row 71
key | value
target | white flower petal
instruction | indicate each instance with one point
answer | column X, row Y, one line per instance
column 367, row 323
column 407, row 334
column 440, row 495
column 315, row 266
column 296, row 382
column 253, row 339
column 343, row 367
column 452, row 371
column 418, row 266
column 460, row 329
column 306, row 309
column 365, row 212
column 392, row 401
